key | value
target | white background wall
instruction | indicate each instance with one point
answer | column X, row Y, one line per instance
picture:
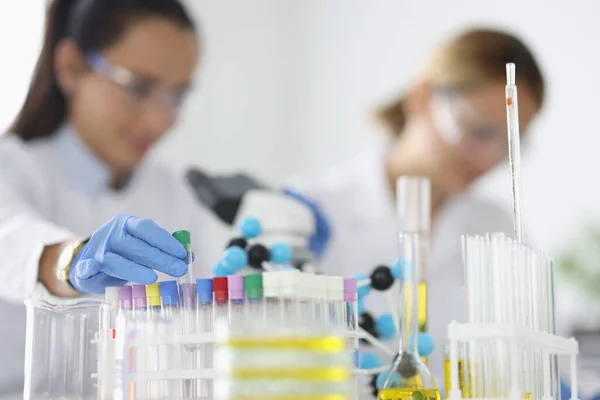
column 286, row 87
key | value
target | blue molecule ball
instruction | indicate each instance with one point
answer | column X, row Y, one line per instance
column 220, row 269
column 363, row 291
column 385, row 327
column 395, row 380
column 281, row 253
column 250, row 228
column 235, row 258
column 361, row 306
column 368, row 361
column 426, row 344
column 401, row 270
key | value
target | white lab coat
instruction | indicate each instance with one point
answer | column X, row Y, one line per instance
column 55, row 189
column 356, row 198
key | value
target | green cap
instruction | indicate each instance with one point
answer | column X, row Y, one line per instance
column 253, row 286
column 183, row 237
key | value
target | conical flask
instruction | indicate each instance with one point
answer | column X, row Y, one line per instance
column 409, row 378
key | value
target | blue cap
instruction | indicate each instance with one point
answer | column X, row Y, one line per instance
column 204, row 289
column 168, row 292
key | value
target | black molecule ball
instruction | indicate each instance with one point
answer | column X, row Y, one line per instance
column 238, row 242
column 367, row 323
column 382, row 278
column 373, row 386
column 257, row 255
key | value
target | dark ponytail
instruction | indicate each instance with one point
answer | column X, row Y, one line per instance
column 93, row 25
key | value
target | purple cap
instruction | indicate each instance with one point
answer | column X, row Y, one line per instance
column 235, row 284
column 187, row 294
column 138, row 293
column 125, row 296
column 350, row 289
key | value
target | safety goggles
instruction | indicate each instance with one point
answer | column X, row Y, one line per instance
column 459, row 124
column 144, row 91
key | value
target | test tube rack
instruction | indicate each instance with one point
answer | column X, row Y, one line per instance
column 515, row 338
column 507, row 347
column 130, row 364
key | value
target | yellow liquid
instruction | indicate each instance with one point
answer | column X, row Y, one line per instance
column 422, row 317
column 408, row 394
column 463, row 379
column 464, row 382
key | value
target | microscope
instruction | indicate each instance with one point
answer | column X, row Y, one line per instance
column 233, row 198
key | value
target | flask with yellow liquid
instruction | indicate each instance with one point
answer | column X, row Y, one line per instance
column 409, row 378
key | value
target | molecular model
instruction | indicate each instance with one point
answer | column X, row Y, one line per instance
column 240, row 253
column 385, row 327
column 246, row 250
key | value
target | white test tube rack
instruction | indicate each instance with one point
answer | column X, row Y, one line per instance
column 516, row 337
column 143, row 345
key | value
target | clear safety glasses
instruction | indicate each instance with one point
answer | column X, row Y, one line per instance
column 144, row 91
column 458, row 123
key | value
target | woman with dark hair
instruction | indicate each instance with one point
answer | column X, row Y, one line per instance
column 109, row 84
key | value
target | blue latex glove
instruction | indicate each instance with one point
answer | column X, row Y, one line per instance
column 318, row 242
column 126, row 249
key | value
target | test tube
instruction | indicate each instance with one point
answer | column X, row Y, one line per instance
column 187, row 311
column 169, row 355
column 235, row 286
column 351, row 315
column 306, row 293
column 289, row 310
column 320, row 300
column 106, row 348
column 125, row 311
column 155, row 388
column 204, row 321
column 140, row 305
column 221, row 298
column 125, row 299
column 351, row 319
column 184, row 238
column 271, row 292
column 335, row 302
column 253, row 284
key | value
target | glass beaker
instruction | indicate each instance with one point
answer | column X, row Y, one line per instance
column 60, row 357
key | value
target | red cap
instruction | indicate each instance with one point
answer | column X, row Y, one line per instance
column 220, row 289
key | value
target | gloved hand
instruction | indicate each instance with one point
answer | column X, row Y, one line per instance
column 126, row 249
column 320, row 240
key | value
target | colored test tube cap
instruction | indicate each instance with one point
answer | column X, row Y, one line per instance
column 138, row 294
column 168, row 292
column 187, row 294
column 125, row 296
column 204, row 290
column 183, row 237
column 235, row 285
column 153, row 294
column 254, row 286
column 220, row 289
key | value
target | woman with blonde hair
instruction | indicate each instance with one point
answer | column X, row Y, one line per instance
column 449, row 126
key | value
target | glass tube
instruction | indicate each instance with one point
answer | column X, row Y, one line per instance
column 204, row 324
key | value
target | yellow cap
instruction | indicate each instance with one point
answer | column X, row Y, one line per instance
column 153, row 294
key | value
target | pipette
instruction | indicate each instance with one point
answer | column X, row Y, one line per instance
column 514, row 149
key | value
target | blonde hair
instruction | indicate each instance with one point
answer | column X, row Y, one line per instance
column 469, row 60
